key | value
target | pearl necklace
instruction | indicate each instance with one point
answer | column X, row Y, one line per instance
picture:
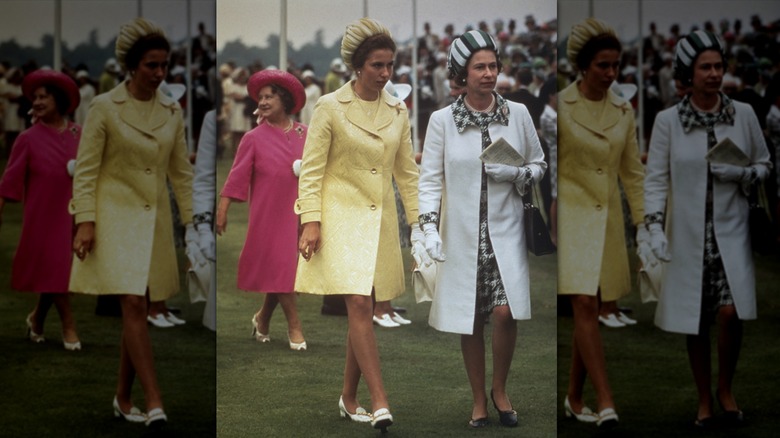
column 486, row 110
column 284, row 130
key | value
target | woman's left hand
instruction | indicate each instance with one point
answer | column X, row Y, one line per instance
column 84, row 240
column 730, row 173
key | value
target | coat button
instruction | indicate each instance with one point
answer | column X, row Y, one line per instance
column 599, row 171
column 147, row 207
column 373, row 170
column 598, row 207
column 373, row 207
column 148, row 171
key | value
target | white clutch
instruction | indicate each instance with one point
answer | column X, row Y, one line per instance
column 650, row 282
column 424, row 282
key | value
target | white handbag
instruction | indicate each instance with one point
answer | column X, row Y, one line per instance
column 424, row 282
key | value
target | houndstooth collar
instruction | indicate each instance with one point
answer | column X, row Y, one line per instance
column 463, row 117
column 691, row 118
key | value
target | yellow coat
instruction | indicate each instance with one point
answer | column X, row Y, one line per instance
column 349, row 162
column 120, row 184
column 592, row 156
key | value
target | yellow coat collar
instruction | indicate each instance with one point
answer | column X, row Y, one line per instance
column 390, row 108
column 579, row 114
column 161, row 112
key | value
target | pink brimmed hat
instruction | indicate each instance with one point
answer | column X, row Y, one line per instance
column 281, row 78
column 39, row 78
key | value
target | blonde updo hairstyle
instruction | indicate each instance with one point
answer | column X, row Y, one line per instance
column 587, row 38
column 135, row 39
column 363, row 37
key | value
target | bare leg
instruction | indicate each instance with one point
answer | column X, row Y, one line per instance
column 504, row 340
column 263, row 317
column 38, row 315
column 699, row 359
column 294, row 327
column 473, row 349
column 363, row 343
column 729, row 345
column 608, row 307
column 383, row 307
column 588, row 343
column 351, row 379
column 156, row 308
column 62, row 303
column 136, row 356
column 577, row 375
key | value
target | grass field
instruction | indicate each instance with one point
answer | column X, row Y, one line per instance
column 269, row 390
column 46, row 391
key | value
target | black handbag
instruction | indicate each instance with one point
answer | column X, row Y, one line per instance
column 537, row 235
column 762, row 236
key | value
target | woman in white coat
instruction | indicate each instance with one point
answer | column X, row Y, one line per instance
column 486, row 268
column 708, row 274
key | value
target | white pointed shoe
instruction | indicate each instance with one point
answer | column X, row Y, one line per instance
column 259, row 337
column 398, row 319
column 297, row 346
column 385, row 321
column 585, row 415
column 34, row 337
column 360, row 415
column 159, row 321
column 156, row 418
column 173, row 319
column 608, row 418
column 625, row 319
column 135, row 415
column 381, row 419
column 71, row 346
column 611, row 321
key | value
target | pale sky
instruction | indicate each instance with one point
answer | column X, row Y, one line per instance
column 28, row 20
column 623, row 15
column 252, row 20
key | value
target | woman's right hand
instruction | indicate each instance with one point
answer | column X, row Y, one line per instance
column 309, row 242
column 84, row 240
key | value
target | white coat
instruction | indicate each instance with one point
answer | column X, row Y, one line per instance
column 676, row 182
column 450, row 179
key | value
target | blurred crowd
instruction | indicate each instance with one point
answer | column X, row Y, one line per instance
column 14, row 107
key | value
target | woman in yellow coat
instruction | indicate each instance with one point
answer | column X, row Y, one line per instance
column 597, row 147
column 133, row 141
column 358, row 141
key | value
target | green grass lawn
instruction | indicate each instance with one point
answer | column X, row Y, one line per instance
column 268, row 390
column 652, row 382
column 46, row 391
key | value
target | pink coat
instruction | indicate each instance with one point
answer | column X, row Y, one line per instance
column 262, row 174
column 36, row 174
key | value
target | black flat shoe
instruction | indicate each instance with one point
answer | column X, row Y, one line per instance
column 507, row 418
column 733, row 418
column 703, row 423
column 479, row 423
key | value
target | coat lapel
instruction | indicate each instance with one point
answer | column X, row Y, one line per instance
column 616, row 108
column 388, row 110
column 160, row 112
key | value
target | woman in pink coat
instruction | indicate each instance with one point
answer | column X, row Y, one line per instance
column 37, row 174
column 263, row 174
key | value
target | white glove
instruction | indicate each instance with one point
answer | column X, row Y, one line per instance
column 730, row 172
column 206, row 241
column 193, row 251
column 297, row 167
column 419, row 253
column 502, row 172
column 433, row 244
column 71, row 167
column 643, row 248
column 658, row 242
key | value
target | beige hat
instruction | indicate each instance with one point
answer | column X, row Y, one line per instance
column 356, row 33
column 581, row 33
column 129, row 33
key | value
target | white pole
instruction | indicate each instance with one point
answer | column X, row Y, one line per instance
column 57, row 35
column 283, row 37
column 415, row 83
column 188, row 79
column 365, row 8
column 640, row 85
column 140, row 8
